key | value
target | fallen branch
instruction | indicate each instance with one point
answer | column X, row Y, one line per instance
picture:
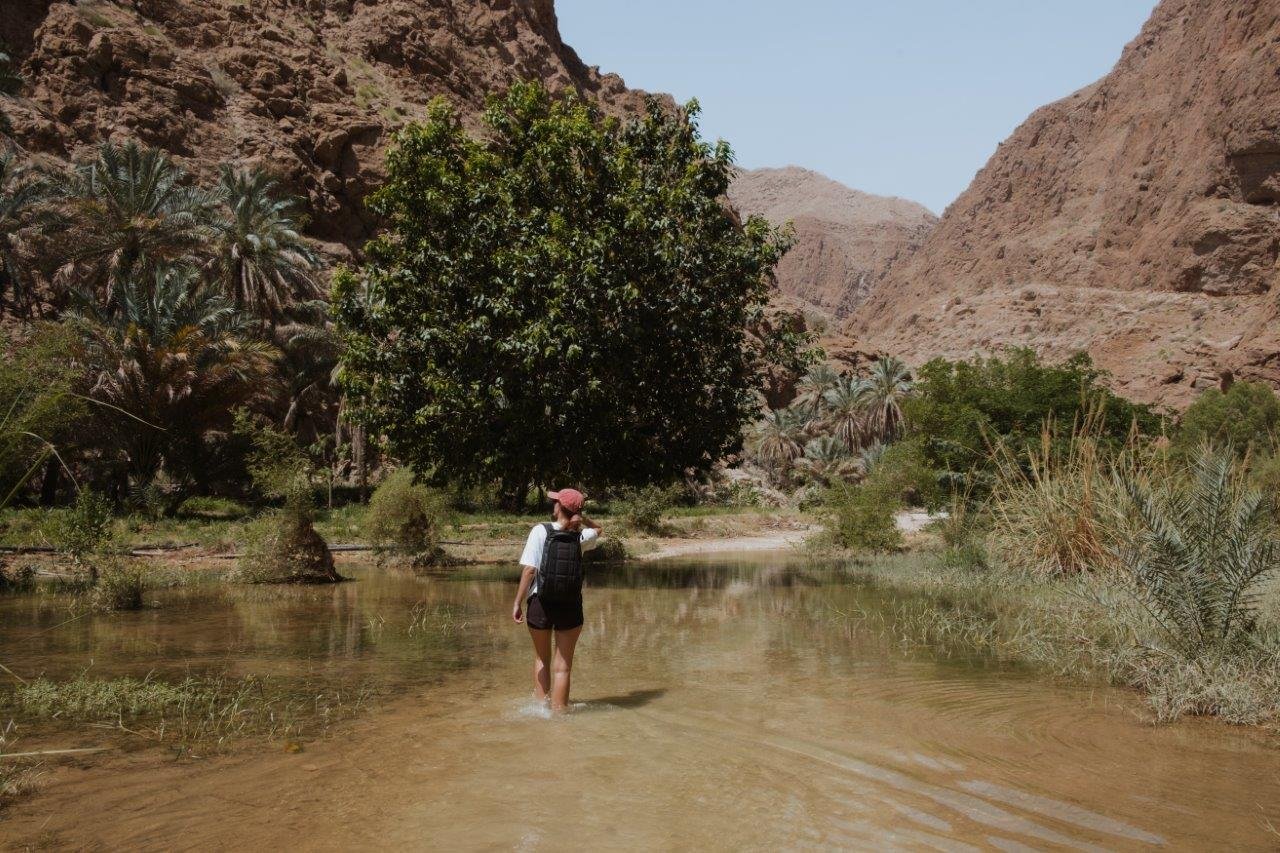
column 42, row 752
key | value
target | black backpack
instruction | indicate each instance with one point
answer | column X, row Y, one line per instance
column 560, row 575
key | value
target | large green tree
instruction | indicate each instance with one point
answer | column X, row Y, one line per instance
column 566, row 298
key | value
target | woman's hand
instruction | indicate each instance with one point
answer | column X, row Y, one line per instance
column 517, row 613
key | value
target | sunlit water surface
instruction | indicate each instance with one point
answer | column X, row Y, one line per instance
column 759, row 702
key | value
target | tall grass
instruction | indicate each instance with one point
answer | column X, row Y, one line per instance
column 1130, row 565
column 1056, row 508
column 194, row 713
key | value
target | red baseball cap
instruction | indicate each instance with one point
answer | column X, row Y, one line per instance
column 571, row 499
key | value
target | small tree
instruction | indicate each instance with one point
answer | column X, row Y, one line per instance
column 1246, row 417
column 566, row 298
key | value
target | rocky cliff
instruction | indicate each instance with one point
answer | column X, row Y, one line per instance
column 1136, row 219
column 310, row 88
column 845, row 240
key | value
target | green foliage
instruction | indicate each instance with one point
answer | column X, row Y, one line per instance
column 168, row 362
column 276, row 463
column 1205, row 547
column 644, row 508
column 902, row 470
column 566, row 297
column 407, row 516
column 962, row 409
column 862, row 518
column 23, row 192
column 264, row 263
column 129, row 211
column 84, row 528
column 18, row 577
column 38, row 410
column 284, row 546
column 120, row 586
column 1246, row 417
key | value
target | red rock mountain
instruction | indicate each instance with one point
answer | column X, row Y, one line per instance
column 310, row 88
column 845, row 240
column 1136, row 219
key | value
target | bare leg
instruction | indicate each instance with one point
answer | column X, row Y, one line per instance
column 566, row 641
column 541, row 663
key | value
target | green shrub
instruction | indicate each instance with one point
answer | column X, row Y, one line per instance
column 17, row 578
column 902, row 470
column 276, row 463
column 212, row 508
column 407, row 517
column 83, row 530
column 962, row 408
column 120, row 586
column 1246, row 417
column 862, row 518
column 1055, row 507
column 610, row 550
column 284, row 547
column 644, row 508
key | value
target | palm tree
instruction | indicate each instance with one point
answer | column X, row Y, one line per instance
column 776, row 441
column 827, row 459
column 171, row 354
column 262, row 259
column 129, row 212
column 308, row 358
column 813, row 386
column 1203, row 554
column 846, row 415
column 21, row 193
column 890, row 384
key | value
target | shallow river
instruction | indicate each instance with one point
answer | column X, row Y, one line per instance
column 720, row 704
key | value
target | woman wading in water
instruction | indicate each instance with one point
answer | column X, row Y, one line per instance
column 551, row 587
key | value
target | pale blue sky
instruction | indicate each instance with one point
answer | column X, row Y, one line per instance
column 898, row 97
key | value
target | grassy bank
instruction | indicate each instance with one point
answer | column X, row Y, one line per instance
column 1081, row 628
column 484, row 535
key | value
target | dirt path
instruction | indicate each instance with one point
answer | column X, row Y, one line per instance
column 779, row 541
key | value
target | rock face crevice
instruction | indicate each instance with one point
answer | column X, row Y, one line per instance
column 1137, row 216
column 311, row 89
column 845, row 240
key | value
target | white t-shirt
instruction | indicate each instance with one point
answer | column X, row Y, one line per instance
column 537, row 540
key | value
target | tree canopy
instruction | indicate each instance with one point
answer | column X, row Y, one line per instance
column 962, row 408
column 566, row 298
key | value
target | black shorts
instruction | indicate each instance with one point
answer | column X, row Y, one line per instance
column 561, row 615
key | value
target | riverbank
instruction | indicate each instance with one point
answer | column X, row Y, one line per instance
column 211, row 543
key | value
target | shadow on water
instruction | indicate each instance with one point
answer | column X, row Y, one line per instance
column 634, row 699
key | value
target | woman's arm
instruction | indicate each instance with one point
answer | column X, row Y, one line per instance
column 594, row 525
column 526, row 578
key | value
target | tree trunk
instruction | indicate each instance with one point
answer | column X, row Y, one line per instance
column 358, row 456
column 52, row 480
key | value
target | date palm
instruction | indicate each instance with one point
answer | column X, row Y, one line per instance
column 827, row 459
column 1203, row 553
column 21, row 193
column 263, row 260
column 813, row 386
column 889, row 385
column 308, row 358
column 128, row 212
column 174, row 355
column 775, row 441
column 846, row 411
